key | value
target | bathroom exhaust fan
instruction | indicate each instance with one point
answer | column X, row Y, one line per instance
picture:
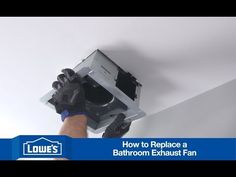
column 109, row 90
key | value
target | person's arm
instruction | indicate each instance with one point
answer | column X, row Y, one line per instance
column 75, row 126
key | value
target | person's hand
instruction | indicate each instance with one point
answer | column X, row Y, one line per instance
column 117, row 128
column 69, row 98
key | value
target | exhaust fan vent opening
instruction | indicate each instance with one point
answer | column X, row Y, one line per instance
column 97, row 95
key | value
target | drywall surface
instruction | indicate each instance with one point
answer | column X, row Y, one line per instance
column 174, row 58
column 211, row 114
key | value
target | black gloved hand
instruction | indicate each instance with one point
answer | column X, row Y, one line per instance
column 117, row 128
column 69, row 98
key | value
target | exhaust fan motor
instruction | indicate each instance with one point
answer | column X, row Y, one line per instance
column 109, row 90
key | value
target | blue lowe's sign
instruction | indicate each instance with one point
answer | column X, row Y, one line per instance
column 37, row 147
column 42, row 146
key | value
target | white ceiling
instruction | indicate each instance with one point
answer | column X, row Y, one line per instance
column 174, row 58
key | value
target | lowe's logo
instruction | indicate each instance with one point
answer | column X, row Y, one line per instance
column 42, row 146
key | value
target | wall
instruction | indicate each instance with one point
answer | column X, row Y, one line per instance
column 211, row 114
